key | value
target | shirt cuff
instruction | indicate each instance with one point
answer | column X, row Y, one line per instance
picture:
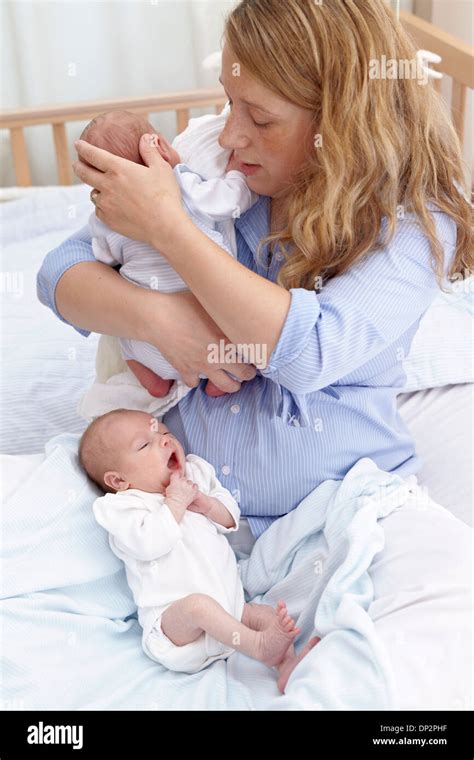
column 222, row 529
column 74, row 250
column 300, row 321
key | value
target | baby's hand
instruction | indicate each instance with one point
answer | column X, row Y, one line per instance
column 181, row 491
column 232, row 163
column 201, row 504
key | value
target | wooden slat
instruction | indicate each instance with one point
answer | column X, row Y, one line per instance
column 457, row 55
column 458, row 108
column 62, row 154
column 58, row 116
column 20, row 157
column 182, row 118
column 87, row 110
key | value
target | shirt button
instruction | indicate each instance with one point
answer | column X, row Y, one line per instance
column 153, row 563
column 235, row 408
column 225, row 469
column 279, row 256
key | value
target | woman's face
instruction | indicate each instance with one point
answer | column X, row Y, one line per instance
column 263, row 129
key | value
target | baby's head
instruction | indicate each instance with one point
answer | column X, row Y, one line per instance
column 119, row 132
column 127, row 449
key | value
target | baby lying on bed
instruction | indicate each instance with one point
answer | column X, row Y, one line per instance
column 212, row 202
column 166, row 514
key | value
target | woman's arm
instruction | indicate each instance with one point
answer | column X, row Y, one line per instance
column 359, row 314
column 249, row 309
column 96, row 298
column 93, row 297
column 75, row 249
column 84, row 293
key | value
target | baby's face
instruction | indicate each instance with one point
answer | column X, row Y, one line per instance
column 145, row 451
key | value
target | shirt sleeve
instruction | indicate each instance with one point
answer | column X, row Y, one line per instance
column 107, row 245
column 220, row 198
column 74, row 250
column 357, row 314
column 215, row 489
column 135, row 529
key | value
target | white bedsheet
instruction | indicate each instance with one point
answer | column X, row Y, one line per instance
column 45, row 365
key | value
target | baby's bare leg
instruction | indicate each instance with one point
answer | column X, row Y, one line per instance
column 258, row 616
column 185, row 620
column 153, row 383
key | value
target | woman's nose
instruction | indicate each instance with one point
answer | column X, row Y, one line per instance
column 232, row 137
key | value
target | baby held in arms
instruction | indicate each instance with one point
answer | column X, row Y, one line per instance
column 212, row 201
column 167, row 515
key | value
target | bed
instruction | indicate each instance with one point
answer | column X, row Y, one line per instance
column 87, row 619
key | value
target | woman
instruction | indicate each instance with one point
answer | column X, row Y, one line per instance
column 358, row 180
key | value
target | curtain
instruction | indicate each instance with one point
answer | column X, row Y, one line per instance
column 67, row 52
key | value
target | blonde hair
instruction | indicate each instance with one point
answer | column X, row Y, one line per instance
column 387, row 143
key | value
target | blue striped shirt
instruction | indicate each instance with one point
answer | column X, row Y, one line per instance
column 328, row 395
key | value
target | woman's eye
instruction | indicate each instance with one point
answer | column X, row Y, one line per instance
column 261, row 125
column 142, row 447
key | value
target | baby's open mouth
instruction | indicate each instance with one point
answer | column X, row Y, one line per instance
column 173, row 463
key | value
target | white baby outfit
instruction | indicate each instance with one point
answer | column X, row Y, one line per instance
column 213, row 199
column 166, row 560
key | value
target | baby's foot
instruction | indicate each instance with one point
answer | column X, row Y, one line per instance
column 153, row 383
column 289, row 663
column 277, row 637
column 213, row 390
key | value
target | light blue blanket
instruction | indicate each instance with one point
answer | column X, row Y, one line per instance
column 71, row 640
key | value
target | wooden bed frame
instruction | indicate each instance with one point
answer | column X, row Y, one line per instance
column 457, row 62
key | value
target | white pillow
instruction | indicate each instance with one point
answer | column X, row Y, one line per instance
column 440, row 421
column 442, row 350
column 15, row 470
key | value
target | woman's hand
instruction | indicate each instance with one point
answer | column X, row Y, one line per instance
column 134, row 200
column 185, row 339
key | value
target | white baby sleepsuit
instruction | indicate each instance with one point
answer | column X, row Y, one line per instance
column 166, row 560
column 213, row 201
